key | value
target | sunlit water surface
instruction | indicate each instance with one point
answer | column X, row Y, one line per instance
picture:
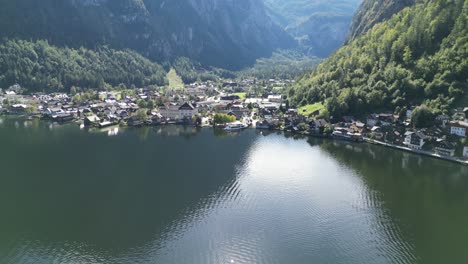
column 185, row 195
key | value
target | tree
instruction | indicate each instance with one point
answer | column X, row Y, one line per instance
column 142, row 103
column 150, row 104
column 303, row 127
column 422, row 116
column 122, row 87
column 223, row 119
column 73, row 90
column 76, row 99
column 141, row 114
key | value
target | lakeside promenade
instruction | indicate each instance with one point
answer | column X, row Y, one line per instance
column 421, row 152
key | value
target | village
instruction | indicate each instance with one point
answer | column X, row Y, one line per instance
column 234, row 105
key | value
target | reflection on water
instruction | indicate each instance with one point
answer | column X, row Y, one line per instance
column 113, row 132
column 187, row 195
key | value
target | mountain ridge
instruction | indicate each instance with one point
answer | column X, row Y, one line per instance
column 417, row 56
column 199, row 29
column 371, row 12
column 319, row 26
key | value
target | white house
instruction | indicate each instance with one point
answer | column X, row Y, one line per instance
column 176, row 111
column 444, row 148
column 459, row 128
column 275, row 98
column 414, row 140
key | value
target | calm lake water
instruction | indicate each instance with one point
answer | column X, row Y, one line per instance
column 185, row 195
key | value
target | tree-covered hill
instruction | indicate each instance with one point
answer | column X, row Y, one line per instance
column 419, row 55
column 39, row 66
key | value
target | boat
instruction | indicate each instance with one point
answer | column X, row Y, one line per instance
column 343, row 134
column 235, row 126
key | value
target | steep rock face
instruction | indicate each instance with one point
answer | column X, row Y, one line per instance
column 322, row 33
column 372, row 12
column 224, row 33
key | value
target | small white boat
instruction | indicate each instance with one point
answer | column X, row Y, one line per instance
column 235, row 126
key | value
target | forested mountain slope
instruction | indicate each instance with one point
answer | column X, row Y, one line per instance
column 39, row 66
column 419, row 55
column 224, row 33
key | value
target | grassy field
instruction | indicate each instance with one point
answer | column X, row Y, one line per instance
column 310, row 108
column 241, row 95
column 174, row 80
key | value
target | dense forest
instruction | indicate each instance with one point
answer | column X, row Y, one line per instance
column 191, row 71
column 39, row 66
column 283, row 64
column 418, row 56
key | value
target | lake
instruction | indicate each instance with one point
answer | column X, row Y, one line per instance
column 185, row 195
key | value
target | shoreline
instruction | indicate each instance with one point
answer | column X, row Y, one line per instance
column 459, row 161
column 420, row 152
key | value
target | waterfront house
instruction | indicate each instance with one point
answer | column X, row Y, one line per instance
column 53, row 111
column 358, row 127
column 157, row 118
column 459, row 128
column 177, row 111
column 444, row 148
column 91, row 120
column 263, row 125
column 18, row 108
column 170, row 110
column 318, row 126
column 187, row 110
column 414, row 140
column 465, row 151
column 377, row 133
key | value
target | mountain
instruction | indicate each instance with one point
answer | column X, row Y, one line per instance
column 372, row 12
column 418, row 55
column 225, row 33
column 320, row 26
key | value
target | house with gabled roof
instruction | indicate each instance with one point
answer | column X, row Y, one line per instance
column 177, row 111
